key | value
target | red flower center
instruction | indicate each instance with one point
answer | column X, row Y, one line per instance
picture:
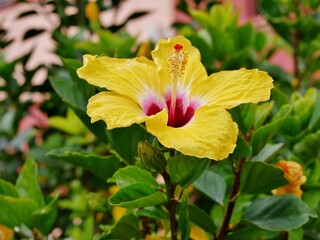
column 181, row 116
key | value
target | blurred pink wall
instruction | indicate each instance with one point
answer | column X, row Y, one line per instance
column 249, row 12
column 154, row 26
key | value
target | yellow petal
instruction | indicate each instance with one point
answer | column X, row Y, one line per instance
column 193, row 71
column 116, row 110
column 231, row 88
column 210, row 133
column 133, row 78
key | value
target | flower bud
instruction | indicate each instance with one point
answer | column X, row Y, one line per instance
column 150, row 157
column 293, row 172
column 92, row 11
column 6, row 233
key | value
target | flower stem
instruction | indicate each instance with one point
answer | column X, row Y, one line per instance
column 171, row 205
column 232, row 200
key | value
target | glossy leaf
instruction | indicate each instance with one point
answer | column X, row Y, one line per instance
column 126, row 228
column 184, row 222
column 8, row 189
column 268, row 152
column 44, row 218
column 246, row 233
column 184, row 170
column 155, row 212
column 131, row 174
column 97, row 128
column 315, row 118
column 292, row 126
column 261, row 114
column 308, row 147
column 15, row 211
column 244, row 115
column 102, row 167
column 259, row 177
column 312, row 171
column 212, row 185
column 263, row 134
column 201, row 218
column 303, row 107
column 296, row 234
column 136, row 196
column 242, row 149
column 278, row 213
column 70, row 124
column 125, row 141
column 27, row 183
column 70, row 94
column 72, row 65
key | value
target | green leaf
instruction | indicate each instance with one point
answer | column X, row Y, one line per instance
column 102, row 167
column 312, row 172
column 303, row 107
column 97, row 202
column 155, row 212
column 27, row 183
column 97, row 128
column 315, row 118
column 296, row 234
column 69, row 93
column 268, row 152
column 280, row 98
column 292, row 126
column 244, row 116
column 265, row 133
column 242, row 149
column 212, row 185
column 278, row 213
column 184, row 222
column 70, row 124
column 246, row 233
column 15, row 211
column 311, row 198
column 72, row 65
column 126, row 228
column 44, row 218
column 184, row 170
column 125, row 141
column 308, row 147
column 201, row 218
column 262, row 113
column 131, row 174
column 136, row 196
column 8, row 189
column 259, row 177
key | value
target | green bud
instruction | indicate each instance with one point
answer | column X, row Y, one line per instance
column 151, row 158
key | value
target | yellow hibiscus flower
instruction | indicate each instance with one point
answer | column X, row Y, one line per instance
column 180, row 104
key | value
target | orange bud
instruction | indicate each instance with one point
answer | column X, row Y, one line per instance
column 92, row 11
column 6, row 233
column 293, row 172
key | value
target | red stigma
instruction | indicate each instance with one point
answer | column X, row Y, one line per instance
column 178, row 47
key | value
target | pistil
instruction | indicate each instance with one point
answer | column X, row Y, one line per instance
column 177, row 60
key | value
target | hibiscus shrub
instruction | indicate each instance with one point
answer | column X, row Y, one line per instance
column 195, row 139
